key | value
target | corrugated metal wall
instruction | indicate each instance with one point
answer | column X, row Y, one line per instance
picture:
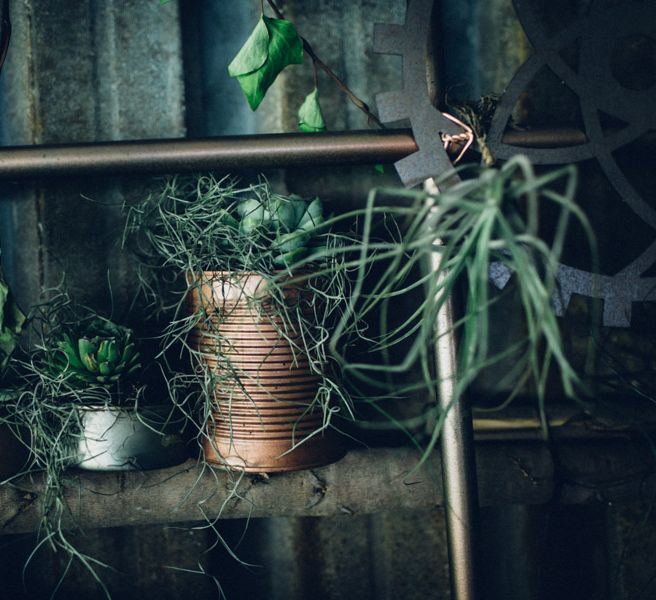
column 110, row 69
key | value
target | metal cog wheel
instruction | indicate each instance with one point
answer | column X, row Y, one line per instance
column 411, row 42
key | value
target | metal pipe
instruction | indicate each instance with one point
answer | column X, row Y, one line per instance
column 457, row 449
column 458, row 464
column 224, row 154
column 234, row 152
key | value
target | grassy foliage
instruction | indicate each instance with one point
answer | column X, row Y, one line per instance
column 491, row 218
column 203, row 230
column 59, row 376
column 359, row 278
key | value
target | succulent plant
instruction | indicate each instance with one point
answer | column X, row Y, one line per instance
column 100, row 352
column 11, row 323
column 287, row 223
column 202, row 223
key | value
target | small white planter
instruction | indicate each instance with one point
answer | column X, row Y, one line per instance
column 116, row 439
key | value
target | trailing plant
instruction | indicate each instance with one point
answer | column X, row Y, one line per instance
column 80, row 359
column 489, row 220
column 199, row 226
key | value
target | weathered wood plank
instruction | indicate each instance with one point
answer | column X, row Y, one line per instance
column 364, row 481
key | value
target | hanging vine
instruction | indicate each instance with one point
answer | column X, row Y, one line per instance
column 273, row 45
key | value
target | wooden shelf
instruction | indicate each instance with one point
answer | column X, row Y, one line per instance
column 364, row 481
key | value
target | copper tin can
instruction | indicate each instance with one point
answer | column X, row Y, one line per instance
column 264, row 419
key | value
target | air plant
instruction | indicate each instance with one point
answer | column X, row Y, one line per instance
column 79, row 359
column 490, row 219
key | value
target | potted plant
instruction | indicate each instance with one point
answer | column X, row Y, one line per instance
column 88, row 404
column 12, row 448
column 86, row 398
column 235, row 257
column 259, row 288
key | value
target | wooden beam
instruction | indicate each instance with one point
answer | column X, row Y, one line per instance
column 364, row 481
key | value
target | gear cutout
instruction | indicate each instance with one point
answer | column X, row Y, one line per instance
column 600, row 34
column 410, row 41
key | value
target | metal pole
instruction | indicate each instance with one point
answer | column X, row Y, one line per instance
column 458, row 466
column 235, row 152
column 458, row 457
column 214, row 154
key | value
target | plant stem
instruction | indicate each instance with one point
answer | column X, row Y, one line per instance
column 360, row 104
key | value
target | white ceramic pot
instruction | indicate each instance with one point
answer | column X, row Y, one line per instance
column 116, row 439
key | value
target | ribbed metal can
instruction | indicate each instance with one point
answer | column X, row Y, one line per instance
column 265, row 418
column 124, row 439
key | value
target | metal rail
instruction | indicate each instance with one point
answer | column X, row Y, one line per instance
column 223, row 153
column 234, row 152
column 457, row 446
column 458, row 464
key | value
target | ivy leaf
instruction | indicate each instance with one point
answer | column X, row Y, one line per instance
column 253, row 53
column 273, row 44
column 310, row 117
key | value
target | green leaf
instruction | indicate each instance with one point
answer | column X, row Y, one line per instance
column 112, row 353
column 289, row 258
column 292, row 241
column 87, row 351
column 313, row 216
column 101, row 353
column 229, row 220
column 310, row 117
column 263, row 57
column 253, row 53
column 253, row 215
column 288, row 212
column 66, row 346
column 379, row 169
column 104, row 368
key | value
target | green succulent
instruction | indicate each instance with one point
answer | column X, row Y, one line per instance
column 206, row 224
column 102, row 352
column 11, row 323
column 287, row 223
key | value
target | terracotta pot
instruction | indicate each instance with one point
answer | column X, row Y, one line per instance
column 267, row 386
column 117, row 439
